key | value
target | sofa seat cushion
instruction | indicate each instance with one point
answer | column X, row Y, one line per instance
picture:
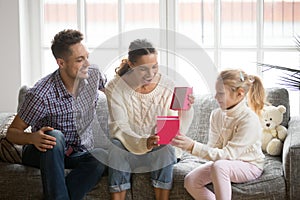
column 261, row 188
column 271, row 185
column 20, row 182
column 141, row 183
column 24, row 182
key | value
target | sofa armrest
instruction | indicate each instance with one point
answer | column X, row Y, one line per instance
column 291, row 158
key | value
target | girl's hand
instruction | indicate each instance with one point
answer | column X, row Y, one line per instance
column 183, row 142
column 191, row 99
column 152, row 141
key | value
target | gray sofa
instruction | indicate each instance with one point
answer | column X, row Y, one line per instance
column 280, row 179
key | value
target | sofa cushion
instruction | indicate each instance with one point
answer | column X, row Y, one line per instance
column 9, row 152
column 21, row 97
column 270, row 185
column 280, row 96
column 203, row 106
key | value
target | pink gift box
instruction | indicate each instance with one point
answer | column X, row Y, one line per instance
column 180, row 98
column 167, row 128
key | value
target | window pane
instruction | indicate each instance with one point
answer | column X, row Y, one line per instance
column 272, row 77
column 281, row 21
column 101, row 20
column 187, row 75
column 238, row 22
column 211, row 55
column 141, row 14
column 49, row 62
column 239, row 60
column 110, row 69
column 58, row 15
column 196, row 20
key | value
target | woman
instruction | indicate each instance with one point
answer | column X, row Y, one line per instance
column 135, row 97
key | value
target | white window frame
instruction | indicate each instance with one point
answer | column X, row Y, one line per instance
column 31, row 18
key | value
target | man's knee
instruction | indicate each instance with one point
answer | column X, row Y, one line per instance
column 57, row 134
column 60, row 139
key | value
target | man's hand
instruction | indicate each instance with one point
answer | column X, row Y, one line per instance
column 183, row 142
column 43, row 141
column 152, row 141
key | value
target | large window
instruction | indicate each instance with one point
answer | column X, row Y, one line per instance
column 233, row 33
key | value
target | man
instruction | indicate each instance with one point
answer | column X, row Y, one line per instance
column 60, row 109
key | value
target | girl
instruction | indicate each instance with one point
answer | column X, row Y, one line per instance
column 233, row 150
column 135, row 97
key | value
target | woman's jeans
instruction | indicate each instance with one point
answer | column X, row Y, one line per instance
column 122, row 163
column 85, row 174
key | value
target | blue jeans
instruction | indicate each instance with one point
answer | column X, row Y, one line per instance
column 85, row 174
column 122, row 163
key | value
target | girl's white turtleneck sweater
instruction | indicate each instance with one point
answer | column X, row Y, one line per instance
column 235, row 134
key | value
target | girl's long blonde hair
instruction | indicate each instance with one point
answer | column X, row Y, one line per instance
column 252, row 85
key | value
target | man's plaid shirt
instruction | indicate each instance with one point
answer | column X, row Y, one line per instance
column 48, row 103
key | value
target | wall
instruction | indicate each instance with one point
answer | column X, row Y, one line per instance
column 10, row 80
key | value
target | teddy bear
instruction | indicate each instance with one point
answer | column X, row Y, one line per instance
column 273, row 133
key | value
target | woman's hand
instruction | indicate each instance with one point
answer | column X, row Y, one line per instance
column 152, row 141
column 183, row 142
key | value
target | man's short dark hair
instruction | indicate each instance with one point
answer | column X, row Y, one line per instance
column 62, row 42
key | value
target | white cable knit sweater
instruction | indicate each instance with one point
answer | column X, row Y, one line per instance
column 235, row 134
column 133, row 115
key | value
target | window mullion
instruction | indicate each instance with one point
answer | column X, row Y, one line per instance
column 163, row 24
column 81, row 16
column 163, row 14
column 121, row 20
column 171, row 40
column 35, row 57
column 217, row 32
column 259, row 34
